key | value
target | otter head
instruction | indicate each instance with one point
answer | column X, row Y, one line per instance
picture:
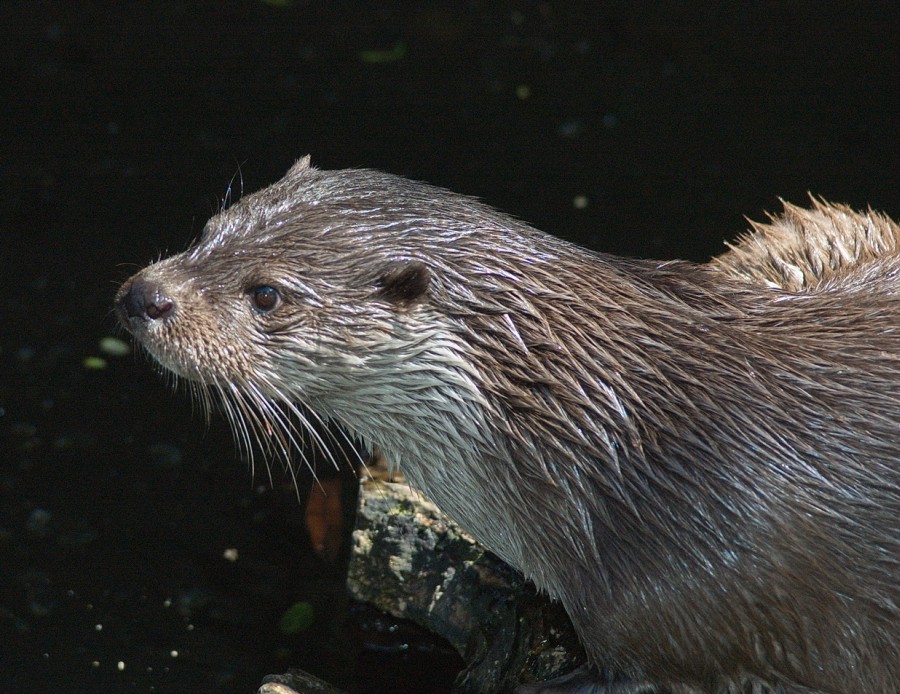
column 326, row 289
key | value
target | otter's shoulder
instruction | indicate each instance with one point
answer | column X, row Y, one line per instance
column 801, row 248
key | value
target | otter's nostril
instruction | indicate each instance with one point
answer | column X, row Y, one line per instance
column 146, row 300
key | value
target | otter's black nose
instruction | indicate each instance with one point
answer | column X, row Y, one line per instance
column 146, row 300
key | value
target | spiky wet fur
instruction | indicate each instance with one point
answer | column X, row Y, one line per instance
column 700, row 462
column 802, row 248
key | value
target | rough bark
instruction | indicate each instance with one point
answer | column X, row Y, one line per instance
column 413, row 562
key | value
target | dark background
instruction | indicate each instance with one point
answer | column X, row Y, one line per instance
column 121, row 127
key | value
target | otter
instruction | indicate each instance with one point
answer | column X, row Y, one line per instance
column 700, row 461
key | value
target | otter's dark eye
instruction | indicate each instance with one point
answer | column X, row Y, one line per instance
column 264, row 298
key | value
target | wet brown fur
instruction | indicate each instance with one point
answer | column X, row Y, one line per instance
column 699, row 461
column 801, row 248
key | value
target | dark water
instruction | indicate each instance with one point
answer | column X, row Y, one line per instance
column 122, row 126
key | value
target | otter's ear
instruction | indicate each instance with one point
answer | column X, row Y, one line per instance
column 404, row 283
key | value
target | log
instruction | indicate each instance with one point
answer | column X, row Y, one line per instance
column 410, row 560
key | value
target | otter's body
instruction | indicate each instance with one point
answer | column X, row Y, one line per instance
column 700, row 462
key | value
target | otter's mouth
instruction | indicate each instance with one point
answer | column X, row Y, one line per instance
column 145, row 310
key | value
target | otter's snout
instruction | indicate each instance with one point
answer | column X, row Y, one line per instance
column 143, row 300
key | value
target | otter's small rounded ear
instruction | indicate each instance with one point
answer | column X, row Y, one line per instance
column 404, row 283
